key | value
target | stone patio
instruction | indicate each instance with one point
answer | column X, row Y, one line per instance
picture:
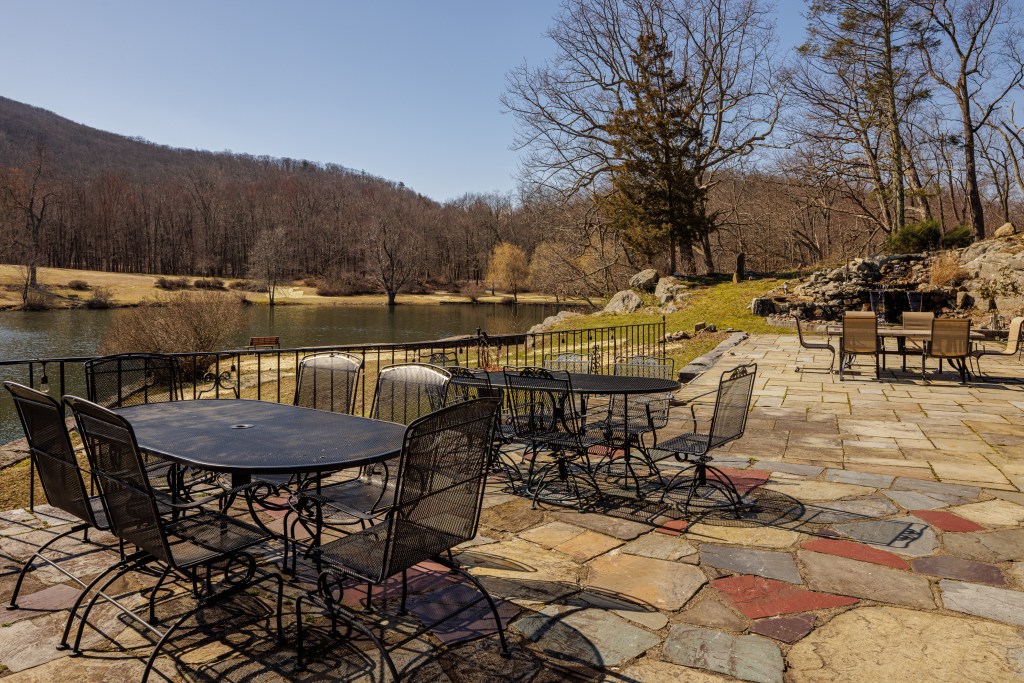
column 885, row 542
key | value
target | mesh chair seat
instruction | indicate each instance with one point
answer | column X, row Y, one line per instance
column 361, row 554
column 688, row 444
column 203, row 536
column 353, row 498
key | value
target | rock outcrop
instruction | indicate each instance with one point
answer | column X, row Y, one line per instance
column 1006, row 230
column 669, row 289
column 644, row 281
column 626, row 301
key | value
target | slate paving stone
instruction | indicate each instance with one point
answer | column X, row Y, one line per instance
column 749, row 658
column 992, row 513
column 808, row 471
column 622, row 529
column 947, row 521
column 805, row 491
column 839, row 511
column 925, row 486
column 475, row 622
column 786, row 629
column 649, row 670
column 865, row 580
column 588, row 545
column 856, row 551
column 661, row 584
column 914, row 500
column 757, row 597
column 551, row 534
column 998, row 604
column 879, row 481
column 587, row 636
column 674, row 527
column 959, row 568
column 884, row 644
column 905, row 535
column 47, row 601
column 766, row 563
column 994, row 546
column 662, row 547
column 645, row 616
column 709, row 609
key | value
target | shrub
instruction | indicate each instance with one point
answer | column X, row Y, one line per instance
column 416, row 287
column 183, row 321
column 36, row 300
column 212, row 283
column 915, row 237
column 946, row 270
column 172, row 284
column 78, row 285
column 960, row 236
column 346, row 284
column 473, row 290
column 101, row 298
column 248, row 286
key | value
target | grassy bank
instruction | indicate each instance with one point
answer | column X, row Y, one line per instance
column 130, row 289
column 723, row 303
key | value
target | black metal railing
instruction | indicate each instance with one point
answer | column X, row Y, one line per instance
column 269, row 374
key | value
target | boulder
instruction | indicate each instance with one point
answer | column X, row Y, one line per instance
column 762, row 307
column 644, row 281
column 964, row 300
column 1006, row 230
column 668, row 289
column 626, row 301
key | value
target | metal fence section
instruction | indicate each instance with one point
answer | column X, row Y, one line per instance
column 269, row 374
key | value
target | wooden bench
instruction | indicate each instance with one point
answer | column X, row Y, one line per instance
column 264, row 343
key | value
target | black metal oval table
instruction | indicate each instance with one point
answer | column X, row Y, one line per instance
column 243, row 437
column 622, row 385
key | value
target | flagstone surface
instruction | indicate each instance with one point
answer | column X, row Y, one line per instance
column 883, row 540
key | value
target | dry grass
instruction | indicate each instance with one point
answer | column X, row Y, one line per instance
column 130, row 289
column 946, row 270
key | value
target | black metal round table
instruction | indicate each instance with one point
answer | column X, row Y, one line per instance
column 244, row 437
column 586, row 383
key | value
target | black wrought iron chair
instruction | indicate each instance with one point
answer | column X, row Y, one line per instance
column 132, row 379
column 405, row 392
column 727, row 423
column 440, row 481
column 815, row 346
column 442, row 359
column 42, row 419
column 192, row 542
column 545, row 417
column 328, row 381
column 631, row 418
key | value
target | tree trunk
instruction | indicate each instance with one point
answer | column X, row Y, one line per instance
column 971, row 176
column 391, row 297
column 709, row 257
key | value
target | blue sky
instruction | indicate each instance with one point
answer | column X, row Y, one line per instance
column 404, row 89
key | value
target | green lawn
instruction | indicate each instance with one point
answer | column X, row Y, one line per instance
column 720, row 302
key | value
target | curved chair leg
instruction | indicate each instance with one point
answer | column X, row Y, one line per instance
column 152, row 596
column 352, row 624
column 25, row 568
column 85, row 591
column 490, row 603
column 163, row 639
column 84, row 619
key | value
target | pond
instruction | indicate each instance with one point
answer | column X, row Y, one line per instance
column 68, row 333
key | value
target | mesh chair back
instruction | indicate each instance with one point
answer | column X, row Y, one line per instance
column 918, row 321
column 644, row 366
column 42, row 418
column 443, row 359
column 118, row 468
column 327, row 381
column 1014, row 338
column 540, row 401
column 440, row 486
column 950, row 338
column 860, row 334
column 567, row 362
column 645, row 410
column 408, row 391
column 732, row 404
column 468, row 384
column 131, row 379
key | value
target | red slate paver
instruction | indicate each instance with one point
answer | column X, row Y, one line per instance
column 758, row 597
column 743, row 480
column 856, row 551
column 947, row 521
column 674, row 528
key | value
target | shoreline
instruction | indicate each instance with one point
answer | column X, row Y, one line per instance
column 129, row 290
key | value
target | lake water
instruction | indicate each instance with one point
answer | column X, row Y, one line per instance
column 68, row 333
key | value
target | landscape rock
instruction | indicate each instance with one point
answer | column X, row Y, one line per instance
column 762, row 306
column 668, row 289
column 644, row 281
column 1005, row 230
column 626, row 301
